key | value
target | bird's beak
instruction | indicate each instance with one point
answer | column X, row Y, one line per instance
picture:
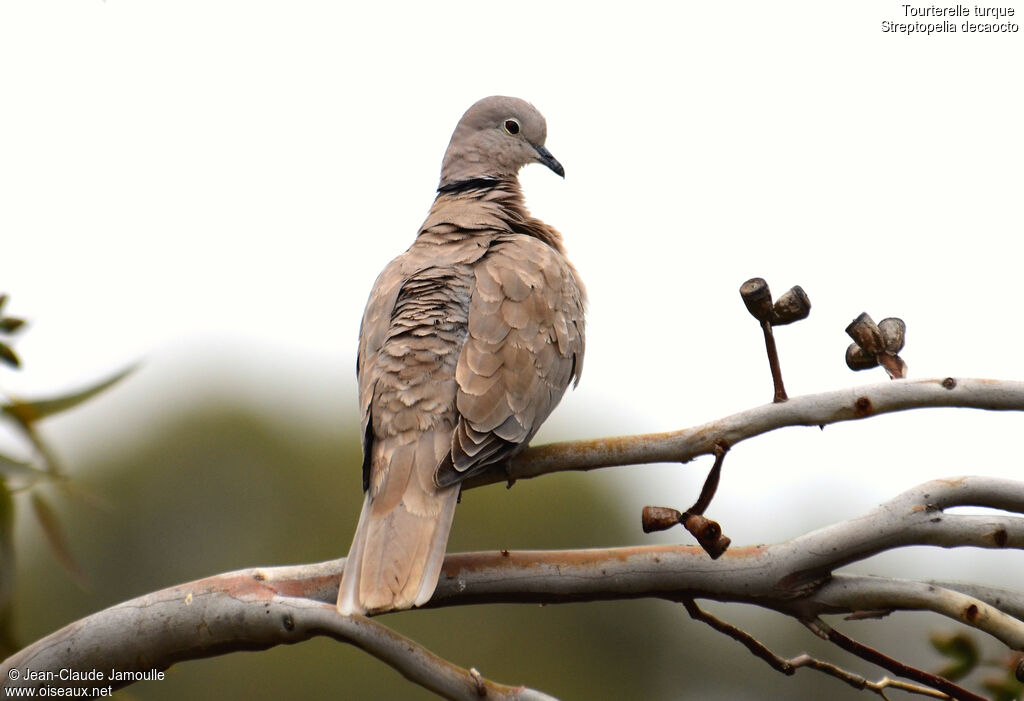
column 544, row 156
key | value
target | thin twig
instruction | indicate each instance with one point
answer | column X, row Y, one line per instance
column 773, row 361
column 756, row 647
column 789, row 667
column 870, row 654
column 707, row 532
column 707, row 493
column 859, row 682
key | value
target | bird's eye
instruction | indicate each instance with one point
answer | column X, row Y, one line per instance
column 512, row 126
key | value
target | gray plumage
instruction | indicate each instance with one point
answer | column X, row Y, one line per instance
column 468, row 341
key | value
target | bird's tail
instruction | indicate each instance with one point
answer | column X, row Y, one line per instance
column 396, row 554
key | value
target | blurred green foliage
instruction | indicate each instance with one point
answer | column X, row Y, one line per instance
column 27, row 475
column 965, row 657
column 961, row 652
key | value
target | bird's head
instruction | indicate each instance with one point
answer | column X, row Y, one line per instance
column 494, row 139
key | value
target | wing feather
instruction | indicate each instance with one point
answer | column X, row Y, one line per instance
column 524, row 346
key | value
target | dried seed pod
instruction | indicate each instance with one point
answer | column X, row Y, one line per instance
column 894, row 333
column 659, row 518
column 858, row 359
column 865, row 334
column 758, row 298
column 793, row 305
column 708, row 534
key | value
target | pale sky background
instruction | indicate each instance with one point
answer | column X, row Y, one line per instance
column 215, row 185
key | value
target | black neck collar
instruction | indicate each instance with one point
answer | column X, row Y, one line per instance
column 466, row 185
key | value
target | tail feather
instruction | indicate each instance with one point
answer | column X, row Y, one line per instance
column 348, row 594
column 399, row 546
column 438, row 546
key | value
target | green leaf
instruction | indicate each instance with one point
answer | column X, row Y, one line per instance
column 47, row 518
column 8, row 356
column 27, row 412
column 961, row 651
column 10, row 324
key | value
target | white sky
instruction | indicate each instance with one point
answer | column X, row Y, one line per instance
column 186, row 178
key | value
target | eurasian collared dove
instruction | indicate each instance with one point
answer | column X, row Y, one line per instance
column 468, row 342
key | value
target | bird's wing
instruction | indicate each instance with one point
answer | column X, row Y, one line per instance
column 373, row 332
column 524, row 345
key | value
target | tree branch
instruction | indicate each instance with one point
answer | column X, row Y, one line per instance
column 1010, row 602
column 260, row 608
column 807, row 410
column 231, row 612
column 846, row 593
column 792, row 577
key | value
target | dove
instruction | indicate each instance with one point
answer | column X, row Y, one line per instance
column 468, row 341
